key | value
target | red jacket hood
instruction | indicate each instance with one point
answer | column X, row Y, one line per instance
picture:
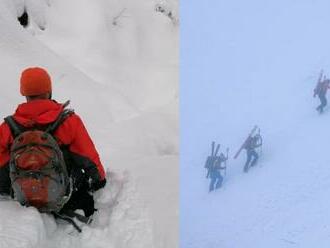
column 37, row 112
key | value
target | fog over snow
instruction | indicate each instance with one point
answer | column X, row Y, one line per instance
column 245, row 63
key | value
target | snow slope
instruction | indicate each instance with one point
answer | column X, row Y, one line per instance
column 258, row 64
column 122, row 80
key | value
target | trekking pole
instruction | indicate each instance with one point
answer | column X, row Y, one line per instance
column 227, row 150
column 260, row 141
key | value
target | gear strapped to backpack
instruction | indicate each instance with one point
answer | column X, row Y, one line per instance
column 38, row 173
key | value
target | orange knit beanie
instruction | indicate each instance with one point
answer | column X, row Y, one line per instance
column 35, row 81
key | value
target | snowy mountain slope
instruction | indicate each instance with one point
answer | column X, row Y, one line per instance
column 161, row 138
column 262, row 69
column 133, row 122
column 130, row 31
column 21, row 50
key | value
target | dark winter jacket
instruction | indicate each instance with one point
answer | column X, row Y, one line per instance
column 322, row 88
column 251, row 143
column 71, row 135
column 218, row 162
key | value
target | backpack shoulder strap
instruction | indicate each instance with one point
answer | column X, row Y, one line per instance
column 14, row 127
column 60, row 119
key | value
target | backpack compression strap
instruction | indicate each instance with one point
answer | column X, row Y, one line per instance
column 65, row 113
column 60, row 119
column 14, row 127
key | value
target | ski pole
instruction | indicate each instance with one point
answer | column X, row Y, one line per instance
column 260, row 142
column 227, row 150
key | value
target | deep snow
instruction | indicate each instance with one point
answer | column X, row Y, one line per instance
column 254, row 62
column 122, row 80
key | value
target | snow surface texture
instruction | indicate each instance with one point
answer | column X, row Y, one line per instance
column 117, row 61
column 255, row 62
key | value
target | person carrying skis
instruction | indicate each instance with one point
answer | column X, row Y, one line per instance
column 321, row 91
column 250, row 146
column 215, row 172
column 81, row 158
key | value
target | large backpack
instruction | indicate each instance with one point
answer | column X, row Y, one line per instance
column 319, row 88
column 38, row 172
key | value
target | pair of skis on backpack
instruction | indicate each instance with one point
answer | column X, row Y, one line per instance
column 253, row 141
column 214, row 161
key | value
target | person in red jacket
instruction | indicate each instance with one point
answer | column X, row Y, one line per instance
column 81, row 157
column 321, row 91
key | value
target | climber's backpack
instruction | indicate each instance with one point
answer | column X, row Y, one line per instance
column 38, row 173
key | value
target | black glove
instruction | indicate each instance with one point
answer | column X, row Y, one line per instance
column 5, row 183
column 90, row 180
column 79, row 178
column 96, row 185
